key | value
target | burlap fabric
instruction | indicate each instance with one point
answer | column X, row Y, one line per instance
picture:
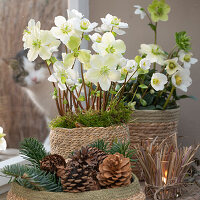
column 64, row 141
column 149, row 124
column 131, row 192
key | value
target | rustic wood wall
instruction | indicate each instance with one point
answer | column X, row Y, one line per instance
column 18, row 115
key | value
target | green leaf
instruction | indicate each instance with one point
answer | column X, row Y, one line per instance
column 138, row 96
column 183, row 41
column 115, row 34
column 143, row 102
column 159, row 107
column 86, row 37
column 73, row 87
column 33, row 151
column 74, row 43
column 81, row 98
column 53, row 59
column 153, row 27
column 143, row 86
column 185, row 96
column 113, row 92
column 48, row 62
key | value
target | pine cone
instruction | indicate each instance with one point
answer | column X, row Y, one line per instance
column 115, row 171
column 50, row 163
column 78, row 175
column 97, row 154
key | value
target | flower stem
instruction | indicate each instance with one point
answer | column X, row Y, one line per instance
column 86, row 100
column 57, row 104
column 171, row 52
column 155, row 42
column 169, row 97
column 148, row 16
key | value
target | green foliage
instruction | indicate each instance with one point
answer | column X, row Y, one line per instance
column 86, row 37
column 122, row 147
column 15, row 170
column 33, row 151
column 33, row 178
column 100, row 144
column 92, row 118
column 183, row 41
column 152, row 100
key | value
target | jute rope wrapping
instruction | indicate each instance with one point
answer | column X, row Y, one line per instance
column 131, row 192
column 64, row 141
column 149, row 124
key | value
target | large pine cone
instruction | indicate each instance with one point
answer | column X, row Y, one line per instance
column 115, row 171
column 80, row 173
column 51, row 163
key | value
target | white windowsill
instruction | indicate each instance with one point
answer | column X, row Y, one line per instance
column 4, row 186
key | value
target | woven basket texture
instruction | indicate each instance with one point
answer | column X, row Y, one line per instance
column 149, row 124
column 64, row 141
column 131, row 192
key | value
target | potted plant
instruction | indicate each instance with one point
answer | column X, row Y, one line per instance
column 84, row 83
column 159, row 75
column 90, row 173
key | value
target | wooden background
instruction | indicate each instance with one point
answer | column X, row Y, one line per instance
column 18, row 116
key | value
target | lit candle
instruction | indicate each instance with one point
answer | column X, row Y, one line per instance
column 164, row 179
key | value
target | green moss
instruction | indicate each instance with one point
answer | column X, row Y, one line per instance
column 92, row 118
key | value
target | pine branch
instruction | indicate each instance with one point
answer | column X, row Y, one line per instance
column 33, row 151
column 100, row 144
column 33, row 178
column 122, row 148
column 44, row 180
column 15, row 170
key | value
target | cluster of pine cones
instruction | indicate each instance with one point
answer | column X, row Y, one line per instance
column 89, row 169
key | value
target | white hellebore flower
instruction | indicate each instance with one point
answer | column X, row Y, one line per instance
column 32, row 26
column 96, row 37
column 131, row 66
column 128, row 71
column 74, row 14
column 64, row 76
column 154, row 53
column 145, row 64
column 63, row 29
column 182, row 80
column 84, row 25
column 172, row 66
column 41, row 43
column 113, row 23
column 158, row 81
column 109, row 45
column 3, row 144
column 103, row 70
column 186, row 59
column 139, row 11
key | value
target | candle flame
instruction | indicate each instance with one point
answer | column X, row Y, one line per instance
column 164, row 179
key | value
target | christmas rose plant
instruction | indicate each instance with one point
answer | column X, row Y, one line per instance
column 160, row 73
column 83, row 81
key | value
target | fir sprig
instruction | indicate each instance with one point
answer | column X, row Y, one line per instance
column 33, row 178
column 33, row 151
column 122, row 147
column 101, row 145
